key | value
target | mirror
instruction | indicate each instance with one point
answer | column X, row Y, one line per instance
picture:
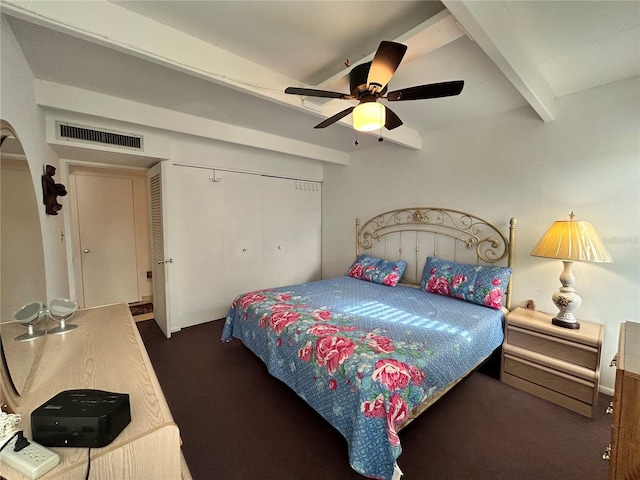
column 22, row 274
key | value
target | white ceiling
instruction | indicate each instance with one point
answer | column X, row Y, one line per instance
column 515, row 53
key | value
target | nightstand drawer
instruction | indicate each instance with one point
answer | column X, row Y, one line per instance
column 583, row 355
column 570, row 386
column 559, row 364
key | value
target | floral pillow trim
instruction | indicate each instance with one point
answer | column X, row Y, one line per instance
column 377, row 270
column 481, row 284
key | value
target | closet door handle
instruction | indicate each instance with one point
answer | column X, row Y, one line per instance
column 244, row 250
column 607, row 453
column 86, row 250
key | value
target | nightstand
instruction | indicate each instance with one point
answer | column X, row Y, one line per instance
column 558, row 364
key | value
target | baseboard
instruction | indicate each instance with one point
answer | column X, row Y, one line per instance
column 606, row 390
column 142, row 317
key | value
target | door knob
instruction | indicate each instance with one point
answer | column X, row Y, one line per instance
column 86, row 250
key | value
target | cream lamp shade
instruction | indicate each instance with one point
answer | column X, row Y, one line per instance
column 570, row 241
column 369, row 116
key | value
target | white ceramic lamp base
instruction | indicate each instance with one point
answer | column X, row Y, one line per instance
column 566, row 299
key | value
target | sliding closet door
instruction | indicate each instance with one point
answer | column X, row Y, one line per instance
column 196, row 244
column 307, row 250
column 243, row 270
column 278, row 212
column 229, row 233
column 291, row 216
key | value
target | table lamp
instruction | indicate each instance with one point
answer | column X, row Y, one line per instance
column 570, row 241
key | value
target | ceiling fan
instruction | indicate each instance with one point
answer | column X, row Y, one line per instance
column 368, row 83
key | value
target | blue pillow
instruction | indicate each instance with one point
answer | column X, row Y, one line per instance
column 481, row 284
column 377, row 270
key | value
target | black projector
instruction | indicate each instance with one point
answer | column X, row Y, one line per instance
column 80, row 418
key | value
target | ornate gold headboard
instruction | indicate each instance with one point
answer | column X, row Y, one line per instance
column 413, row 234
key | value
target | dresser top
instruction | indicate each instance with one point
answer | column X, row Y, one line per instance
column 589, row 333
column 105, row 353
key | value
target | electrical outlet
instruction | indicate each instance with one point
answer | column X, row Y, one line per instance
column 33, row 460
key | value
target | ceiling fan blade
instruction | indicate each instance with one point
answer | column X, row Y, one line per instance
column 335, row 118
column 422, row 92
column 312, row 92
column 391, row 119
column 385, row 62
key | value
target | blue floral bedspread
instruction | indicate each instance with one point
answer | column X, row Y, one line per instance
column 364, row 355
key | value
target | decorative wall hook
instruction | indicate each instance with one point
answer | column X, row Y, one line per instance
column 51, row 191
column 214, row 179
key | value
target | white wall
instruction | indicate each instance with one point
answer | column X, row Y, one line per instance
column 18, row 107
column 514, row 165
column 193, row 150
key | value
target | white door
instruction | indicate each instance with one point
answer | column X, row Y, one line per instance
column 107, row 239
column 243, row 269
column 161, row 312
column 306, row 231
column 277, row 211
column 291, row 214
column 196, row 243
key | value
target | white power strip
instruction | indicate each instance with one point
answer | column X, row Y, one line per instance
column 33, row 460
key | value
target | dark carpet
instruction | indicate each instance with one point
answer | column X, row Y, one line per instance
column 237, row 422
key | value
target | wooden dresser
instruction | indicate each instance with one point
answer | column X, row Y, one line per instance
column 106, row 353
column 559, row 364
column 625, row 428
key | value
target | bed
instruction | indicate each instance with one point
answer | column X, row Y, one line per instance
column 420, row 308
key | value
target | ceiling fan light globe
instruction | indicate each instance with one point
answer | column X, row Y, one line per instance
column 369, row 116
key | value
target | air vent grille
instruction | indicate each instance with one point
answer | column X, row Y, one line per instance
column 100, row 136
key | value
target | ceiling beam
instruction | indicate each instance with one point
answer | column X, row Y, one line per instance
column 491, row 27
column 71, row 99
column 430, row 35
column 149, row 40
